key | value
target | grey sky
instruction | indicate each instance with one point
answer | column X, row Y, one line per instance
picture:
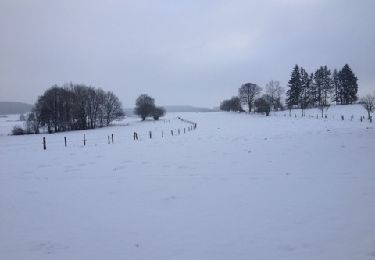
column 180, row 52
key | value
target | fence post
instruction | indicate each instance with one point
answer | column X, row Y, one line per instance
column 172, row 132
column 342, row 117
column 150, row 134
column 44, row 144
column 65, row 140
column 112, row 138
column 84, row 140
column 108, row 139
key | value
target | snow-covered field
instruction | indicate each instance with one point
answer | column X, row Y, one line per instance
column 237, row 187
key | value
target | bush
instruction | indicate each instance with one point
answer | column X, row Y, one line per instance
column 233, row 104
column 158, row 112
column 17, row 130
column 262, row 106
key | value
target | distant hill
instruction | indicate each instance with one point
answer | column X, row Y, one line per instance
column 187, row 109
column 7, row 108
column 177, row 108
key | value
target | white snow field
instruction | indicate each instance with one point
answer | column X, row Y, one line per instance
column 238, row 187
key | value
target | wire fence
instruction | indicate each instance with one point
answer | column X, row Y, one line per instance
column 136, row 136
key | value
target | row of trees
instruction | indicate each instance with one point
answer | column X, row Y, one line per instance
column 305, row 90
column 321, row 88
column 249, row 96
column 74, row 107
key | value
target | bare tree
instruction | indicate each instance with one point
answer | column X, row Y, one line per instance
column 74, row 107
column 158, row 112
column 112, row 108
column 144, row 106
column 368, row 102
column 275, row 92
column 247, row 94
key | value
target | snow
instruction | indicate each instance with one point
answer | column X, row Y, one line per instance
column 238, row 187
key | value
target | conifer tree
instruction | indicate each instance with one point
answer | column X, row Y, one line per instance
column 336, row 86
column 348, row 83
column 304, row 97
column 294, row 84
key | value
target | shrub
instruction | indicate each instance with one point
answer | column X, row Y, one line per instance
column 17, row 130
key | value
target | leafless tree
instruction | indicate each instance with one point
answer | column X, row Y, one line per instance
column 275, row 92
column 112, row 108
column 247, row 93
column 74, row 107
column 368, row 102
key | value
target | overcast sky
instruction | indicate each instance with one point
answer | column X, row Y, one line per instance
column 179, row 52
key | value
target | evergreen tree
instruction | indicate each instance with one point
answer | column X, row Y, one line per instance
column 322, row 86
column 327, row 86
column 336, row 86
column 304, row 97
column 348, row 83
column 318, row 86
column 294, row 84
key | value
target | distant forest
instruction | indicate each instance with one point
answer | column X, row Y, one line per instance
column 8, row 108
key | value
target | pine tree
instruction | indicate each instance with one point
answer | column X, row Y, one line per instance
column 318, row 86
column 348, row 83
column 323, row 86
column 304, row 97
column 294, row 84
column 327, row 86
column 336, row 87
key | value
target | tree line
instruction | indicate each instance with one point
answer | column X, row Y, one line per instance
column 73, row 107
column 305, row 90
column 249, row 96
column 321, row 88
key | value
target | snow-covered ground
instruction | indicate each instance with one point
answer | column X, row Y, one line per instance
column 238, row 187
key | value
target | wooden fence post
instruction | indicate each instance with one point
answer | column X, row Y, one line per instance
column 65, row 140
column 108, row 139
column 150, row 134
column 112, row 138
column 44, row 144
column 84, row 140
column 172, row 132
